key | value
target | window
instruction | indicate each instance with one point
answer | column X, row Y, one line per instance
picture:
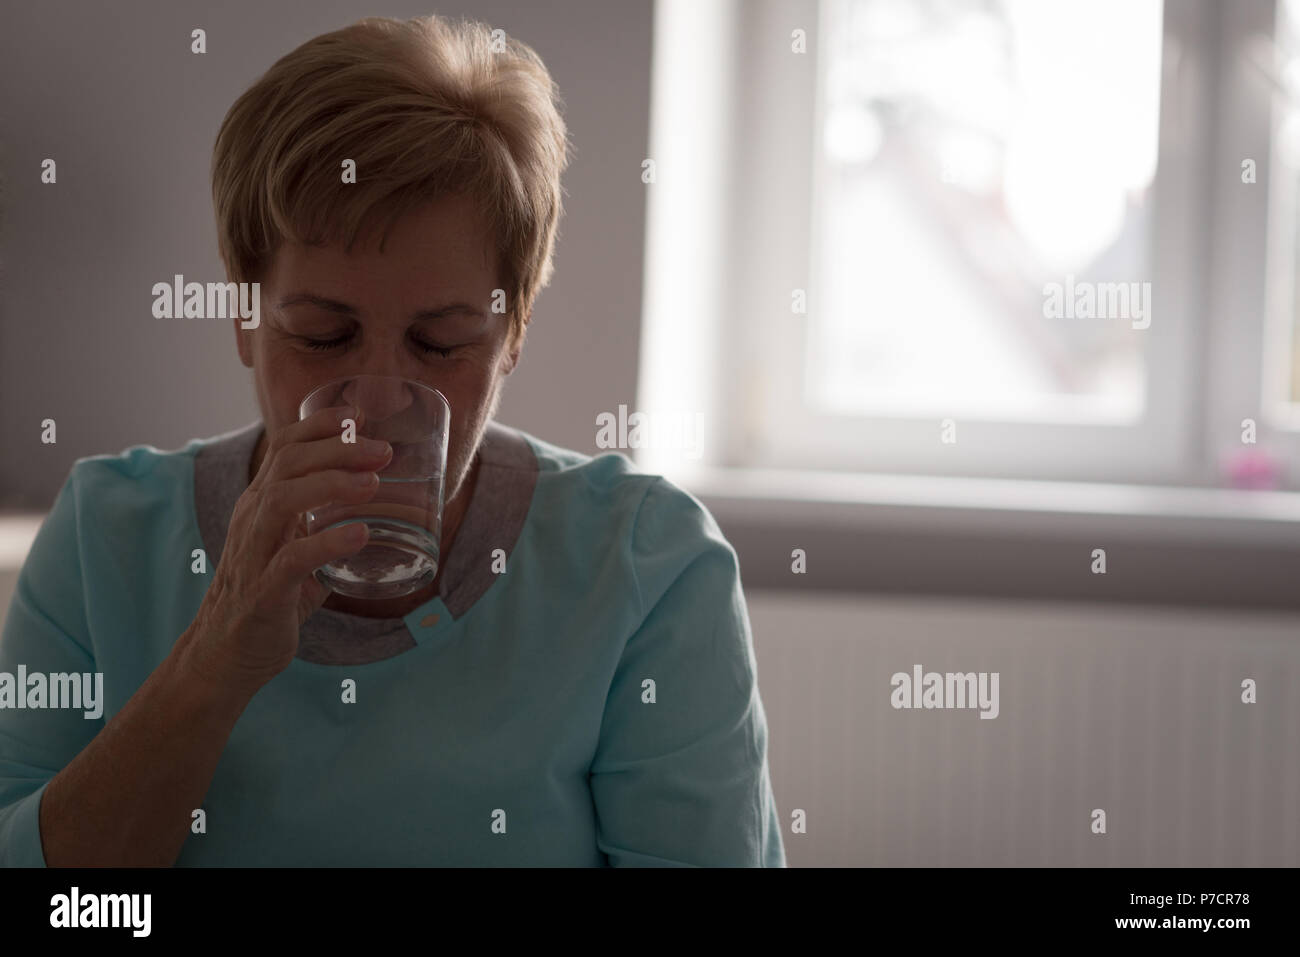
column 976, row 237
column 968, row 157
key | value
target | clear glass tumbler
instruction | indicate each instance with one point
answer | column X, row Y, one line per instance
column 405, row 514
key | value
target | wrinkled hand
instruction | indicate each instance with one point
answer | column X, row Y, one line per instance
column 246, row 630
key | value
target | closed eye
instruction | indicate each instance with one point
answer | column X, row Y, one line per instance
column 322, row 345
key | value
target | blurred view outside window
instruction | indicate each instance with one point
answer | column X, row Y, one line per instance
column 970, row 153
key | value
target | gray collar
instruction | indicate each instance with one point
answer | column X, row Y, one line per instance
column 495, row 518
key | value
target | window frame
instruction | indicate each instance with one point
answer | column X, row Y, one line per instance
column 777, row 433
column 1254, row 266
column 716, row 307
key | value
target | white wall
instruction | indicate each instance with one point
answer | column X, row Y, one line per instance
column 130, row 115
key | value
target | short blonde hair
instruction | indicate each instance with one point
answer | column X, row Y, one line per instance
column 426, row 107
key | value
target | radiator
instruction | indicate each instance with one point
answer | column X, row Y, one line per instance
column 1134, row 711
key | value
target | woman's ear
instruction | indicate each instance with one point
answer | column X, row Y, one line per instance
column 511, row 357
column 510, row 360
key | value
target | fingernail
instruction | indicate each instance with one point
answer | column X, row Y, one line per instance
column 365, row 478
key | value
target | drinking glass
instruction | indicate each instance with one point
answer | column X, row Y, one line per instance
column 405, row 514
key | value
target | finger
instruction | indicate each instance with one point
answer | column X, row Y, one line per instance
column 321, row 424
column 303, row 556
column 281, row 505
column 291, row 497
column 329, row 452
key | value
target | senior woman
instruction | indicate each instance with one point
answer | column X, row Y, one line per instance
column 594, row 702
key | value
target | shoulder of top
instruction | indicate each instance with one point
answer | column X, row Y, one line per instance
column 608, row 472
column 135, row 462
column 614, row 481
column 613, row 471
column 670, row 512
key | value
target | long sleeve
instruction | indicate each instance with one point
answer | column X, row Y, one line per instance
column 682, row 780
column 45, row 631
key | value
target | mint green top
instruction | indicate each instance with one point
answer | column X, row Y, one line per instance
column 595, row 704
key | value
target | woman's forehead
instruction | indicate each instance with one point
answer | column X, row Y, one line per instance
column 439, row 265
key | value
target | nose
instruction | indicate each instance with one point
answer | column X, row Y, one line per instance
column 378, row 397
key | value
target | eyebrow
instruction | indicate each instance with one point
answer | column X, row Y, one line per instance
column 343, row 309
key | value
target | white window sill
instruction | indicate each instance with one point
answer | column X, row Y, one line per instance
column 1011, row 505
column 1007, row 538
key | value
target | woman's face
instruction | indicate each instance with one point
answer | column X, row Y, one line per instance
column 326, row 314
